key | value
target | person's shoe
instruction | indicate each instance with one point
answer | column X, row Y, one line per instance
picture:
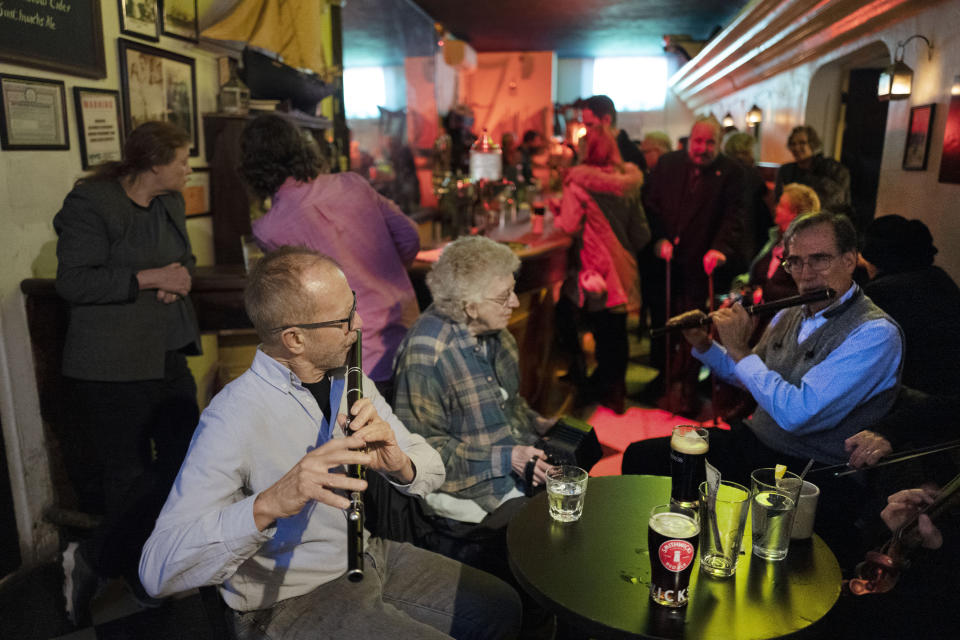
column 80, row 585
column 615, row 398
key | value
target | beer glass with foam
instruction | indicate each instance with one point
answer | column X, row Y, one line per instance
column 688, row 449
column 672, row 536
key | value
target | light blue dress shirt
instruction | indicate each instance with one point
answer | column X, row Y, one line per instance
column 862, row 366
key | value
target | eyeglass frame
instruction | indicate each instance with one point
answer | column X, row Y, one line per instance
column 326, row 323
column 808, row 262
column 505, row 301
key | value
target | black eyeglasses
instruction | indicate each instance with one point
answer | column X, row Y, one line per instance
column 328, row 323
column 819, row 262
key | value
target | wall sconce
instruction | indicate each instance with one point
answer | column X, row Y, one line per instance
column 754, row 118
column 955, row 87
column 727, row 120
column 896, row 81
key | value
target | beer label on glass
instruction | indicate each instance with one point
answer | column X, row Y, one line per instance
column 676, row 555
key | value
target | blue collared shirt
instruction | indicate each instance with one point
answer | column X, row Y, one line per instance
column 862, row 366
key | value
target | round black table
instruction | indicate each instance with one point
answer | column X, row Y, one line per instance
column 594, row 573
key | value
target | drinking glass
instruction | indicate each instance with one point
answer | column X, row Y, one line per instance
column 566, row 489
column 722, row 523
column 773, row 502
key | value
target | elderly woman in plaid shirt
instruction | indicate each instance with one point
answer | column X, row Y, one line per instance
column 457, row 376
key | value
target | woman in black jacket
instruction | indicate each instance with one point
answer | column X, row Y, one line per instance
column 124, row 264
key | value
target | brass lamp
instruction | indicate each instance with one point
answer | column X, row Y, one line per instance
column 896, row 81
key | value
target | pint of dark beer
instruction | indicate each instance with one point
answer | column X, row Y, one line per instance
column 672, row 537
column 688, row 449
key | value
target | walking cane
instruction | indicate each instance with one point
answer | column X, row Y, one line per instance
column 666, row 341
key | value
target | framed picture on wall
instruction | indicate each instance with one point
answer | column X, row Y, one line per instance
column 98, row 121
column 917, row 149
column 180, row 19
column 196, row 193
column 950, row 160
column 140, row 18
column 33, row 114
column 158, row 85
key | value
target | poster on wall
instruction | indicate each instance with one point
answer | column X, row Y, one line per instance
column 33, row 114
column 158, row 85
column 196, row 193
column 950, row 162
column 98, row 120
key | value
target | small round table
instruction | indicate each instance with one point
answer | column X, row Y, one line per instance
column 594, row 573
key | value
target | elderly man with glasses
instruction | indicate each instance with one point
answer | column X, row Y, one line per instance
column 457, row 378
column 258, row 505
column 820, row 372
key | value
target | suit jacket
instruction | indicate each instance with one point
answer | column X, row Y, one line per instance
column 118, row 332
column 707, row 216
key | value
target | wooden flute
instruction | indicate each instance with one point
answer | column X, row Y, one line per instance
column 355, row 511
column 754, row 309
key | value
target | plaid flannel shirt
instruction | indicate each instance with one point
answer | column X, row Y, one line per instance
column 448, row 389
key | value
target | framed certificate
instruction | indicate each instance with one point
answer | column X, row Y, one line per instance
column 33, row 114
column 98, row 122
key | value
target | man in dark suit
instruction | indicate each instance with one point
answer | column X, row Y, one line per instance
column 694, row 200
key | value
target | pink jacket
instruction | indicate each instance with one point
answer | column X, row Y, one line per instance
column 602, row 206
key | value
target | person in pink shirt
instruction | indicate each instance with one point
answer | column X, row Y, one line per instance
column 341, row 216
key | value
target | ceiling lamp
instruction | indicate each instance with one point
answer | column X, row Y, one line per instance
column 896, row 81
column 727, row 120
column 754, row 116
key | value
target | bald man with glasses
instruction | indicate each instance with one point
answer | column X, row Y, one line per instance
column 259, row 504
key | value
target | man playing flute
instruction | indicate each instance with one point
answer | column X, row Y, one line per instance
column 820, row 372
column 258, row 505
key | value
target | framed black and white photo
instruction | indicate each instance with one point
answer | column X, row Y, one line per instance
column 98, row 123
column 180, row 19
column 33, row 114
column 917, row 149
column 140, row 18
column 158, row 85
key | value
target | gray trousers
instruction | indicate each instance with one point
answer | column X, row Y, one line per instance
column 406, row 592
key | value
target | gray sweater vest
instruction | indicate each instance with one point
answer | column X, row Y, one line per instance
column 779, row 350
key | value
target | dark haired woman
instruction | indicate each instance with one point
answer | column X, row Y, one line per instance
column 124, row 268
column 342, row 216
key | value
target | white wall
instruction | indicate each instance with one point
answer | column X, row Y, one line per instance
column 786, row 102
column 32, row 187
column 575, row 80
